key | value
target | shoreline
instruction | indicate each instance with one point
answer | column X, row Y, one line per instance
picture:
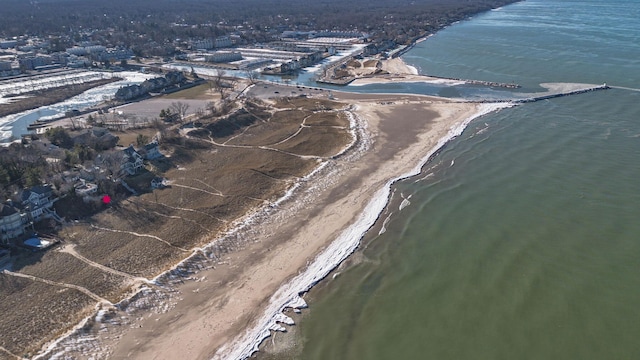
column 263, row 315
column 208, row 317
column 326, row 258
column 290, row 295
column 187, row 317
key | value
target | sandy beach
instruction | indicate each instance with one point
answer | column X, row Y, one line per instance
column 224, row 313
column 244, row 273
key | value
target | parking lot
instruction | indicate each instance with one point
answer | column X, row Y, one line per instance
column 271, row 90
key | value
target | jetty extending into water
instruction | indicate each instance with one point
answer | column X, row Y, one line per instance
column 563, row 93
column 584, row 88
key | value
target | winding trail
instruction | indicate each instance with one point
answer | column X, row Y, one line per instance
column 207, row 185
column 248, row 127
column 71, row 250
column 211, row 141
column 187, row 209
column 269, row 147
column 302, row 126
column 219, row 193
column 68, row 286
column 140, row 235
column 2, row 349
column 179, row 218
column 197, row 189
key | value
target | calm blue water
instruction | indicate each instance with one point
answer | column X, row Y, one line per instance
column 528, row 247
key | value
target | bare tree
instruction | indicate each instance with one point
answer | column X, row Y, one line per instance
column 211, row 107
column 180, row 108
column 219, row 83
column 231, row 84
column 200, row 113
column 74, row 123
column 112, row 161
column 252, row 76
column 161, row 127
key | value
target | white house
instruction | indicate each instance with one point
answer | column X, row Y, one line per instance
column 84, row 188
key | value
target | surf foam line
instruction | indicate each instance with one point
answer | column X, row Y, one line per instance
column 290, row 294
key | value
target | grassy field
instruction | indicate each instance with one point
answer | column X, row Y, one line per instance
column 130, row 136
column 33, row 312
column 217, row 172
column 202, row 91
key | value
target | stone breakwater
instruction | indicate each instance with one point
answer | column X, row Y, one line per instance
column 546, row 96
column 561, row 94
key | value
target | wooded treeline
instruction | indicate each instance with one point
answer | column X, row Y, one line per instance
column 121, row 22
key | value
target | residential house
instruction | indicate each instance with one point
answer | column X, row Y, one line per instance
column 96, row 137
column 132, row 161
column 84, row 188
column 151, row 151
column 150, row 85
column 11, row 222
column 158, row 182
column 37, row 202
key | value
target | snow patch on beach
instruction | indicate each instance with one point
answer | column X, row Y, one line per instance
column 289, row 295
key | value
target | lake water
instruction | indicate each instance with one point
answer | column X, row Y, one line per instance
column 522, row 239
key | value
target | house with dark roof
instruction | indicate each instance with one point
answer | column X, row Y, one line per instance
column 132, row 161
column 158, row 182
column 97, row 138
column 11, row 222
column 151, row 151
column 37, row 202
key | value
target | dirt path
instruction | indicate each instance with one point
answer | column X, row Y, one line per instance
column 68, row 286
column 188, row 210
column 9, row 353
column 70, row 249
column 224, row 144
column 141, row 235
